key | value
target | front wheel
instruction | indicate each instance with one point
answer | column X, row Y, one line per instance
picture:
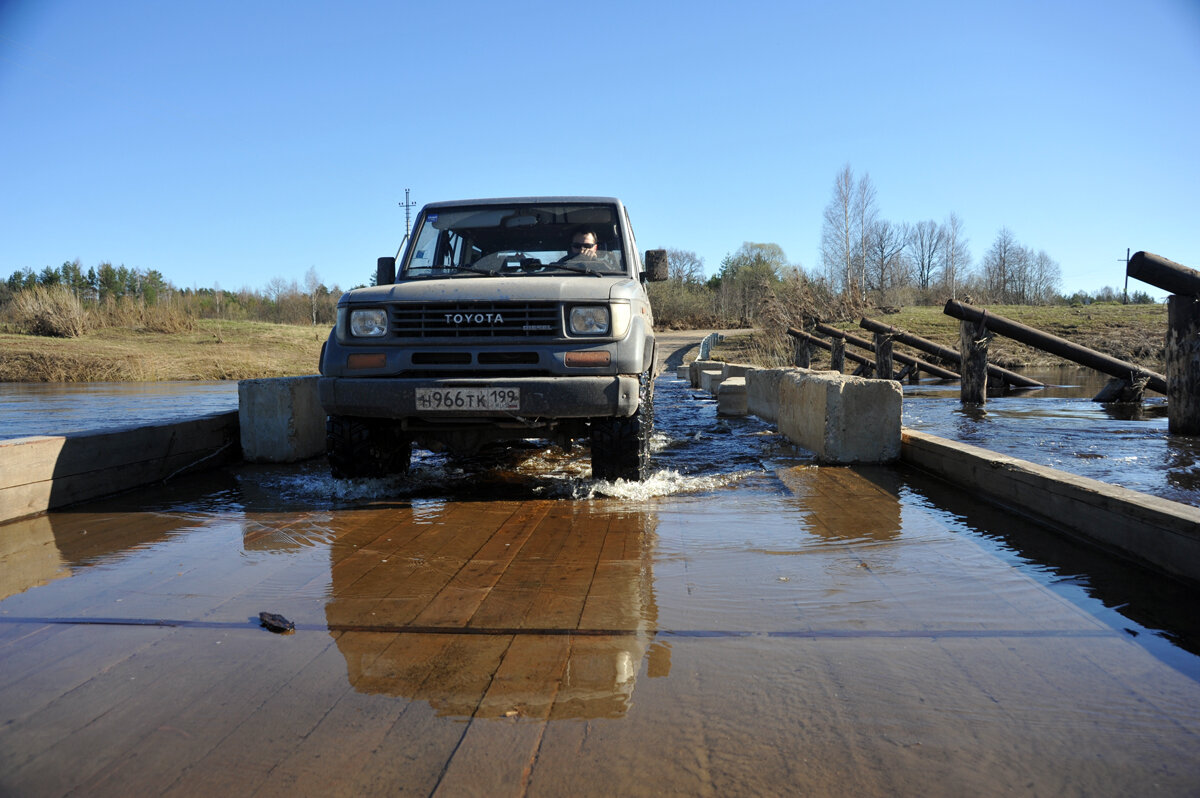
column 621, row 446
column 365, row 447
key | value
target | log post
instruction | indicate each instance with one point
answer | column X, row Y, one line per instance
column 1183, row 365
column 837, row 355
column 973, row 340
column 803, row 352
column 884, row 366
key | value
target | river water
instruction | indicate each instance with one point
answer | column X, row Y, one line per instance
column 1059, row 426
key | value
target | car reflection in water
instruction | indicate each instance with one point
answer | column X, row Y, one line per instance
column 499, row 610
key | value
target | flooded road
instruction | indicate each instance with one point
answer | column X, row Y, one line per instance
column 744, row 623
column 36, row 408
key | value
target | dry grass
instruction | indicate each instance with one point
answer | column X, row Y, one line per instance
column 1130, row 332
column 210, row 351
column 52, row 311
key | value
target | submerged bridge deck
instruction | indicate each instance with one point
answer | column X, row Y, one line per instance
column 762, row 626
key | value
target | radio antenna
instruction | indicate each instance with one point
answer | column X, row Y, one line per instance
column 408, row 206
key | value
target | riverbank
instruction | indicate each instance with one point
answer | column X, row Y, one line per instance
column 236, row 350
column 213, row 350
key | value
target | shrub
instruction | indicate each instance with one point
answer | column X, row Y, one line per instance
column 49, row 310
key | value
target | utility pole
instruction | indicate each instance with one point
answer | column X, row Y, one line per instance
column 1125, row 300
column 407, row 208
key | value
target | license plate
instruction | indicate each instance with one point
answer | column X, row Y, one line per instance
column 468, row 398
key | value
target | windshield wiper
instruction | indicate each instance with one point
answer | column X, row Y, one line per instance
column 582, row 268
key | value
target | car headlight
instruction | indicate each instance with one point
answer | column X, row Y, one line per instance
column 589, row 320
column 368, row 323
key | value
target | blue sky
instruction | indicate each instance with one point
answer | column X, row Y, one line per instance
column 230, row 143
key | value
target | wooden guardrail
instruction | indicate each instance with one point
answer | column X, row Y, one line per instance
column 1165, row 274
column 1132, row 373
column 835, row 351
column 910, row 361
column 1010, row 378
column 1183, row 336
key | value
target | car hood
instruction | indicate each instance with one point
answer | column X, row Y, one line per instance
column 498, row 289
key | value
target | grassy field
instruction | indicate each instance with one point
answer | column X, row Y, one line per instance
column 1135, row 333
column 228, row 350
column 214, row 350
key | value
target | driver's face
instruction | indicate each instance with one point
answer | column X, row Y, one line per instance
column 584, row 245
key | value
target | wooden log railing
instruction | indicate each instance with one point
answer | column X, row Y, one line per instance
column 801, row 335
column 1165, row 274
column 1010, row 378
column 1061, row 347
column 1183, row 336
column 928, row 368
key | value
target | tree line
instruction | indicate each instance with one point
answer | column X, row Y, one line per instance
column 866, row 261
column 105, row 286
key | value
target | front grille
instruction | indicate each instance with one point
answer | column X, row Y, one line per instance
column 476, row 320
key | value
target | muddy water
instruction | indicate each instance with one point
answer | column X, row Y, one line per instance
column 745, row 623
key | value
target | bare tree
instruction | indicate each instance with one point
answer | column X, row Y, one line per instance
column 865, row 213
column 886, row 266
column 684, row 266
column 1000, row 266
column 837, row 232
column 926, row 250
column 314, row 289
column 957, row 256
column 1045, row 277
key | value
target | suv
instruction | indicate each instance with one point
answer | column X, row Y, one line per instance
column 495, row 329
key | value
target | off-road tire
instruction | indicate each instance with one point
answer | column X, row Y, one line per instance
column 364, row 447
column 621, row 446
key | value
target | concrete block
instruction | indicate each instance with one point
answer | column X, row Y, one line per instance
column 710, row 380
column 762, row 392
column 841, row 419
column 282, row 420
column 731, row 397
column 735, row 369
column 684, row 373
column 700, row 366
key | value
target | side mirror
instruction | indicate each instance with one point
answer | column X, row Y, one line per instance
column 385, row 271
column 656, row 265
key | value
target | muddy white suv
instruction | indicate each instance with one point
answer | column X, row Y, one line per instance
column 494, row 328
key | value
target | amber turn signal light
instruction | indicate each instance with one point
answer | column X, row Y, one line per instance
column 587, row 358
column 375, row 360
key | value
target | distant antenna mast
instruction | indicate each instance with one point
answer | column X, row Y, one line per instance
column 408, row 206
column 1125, row 300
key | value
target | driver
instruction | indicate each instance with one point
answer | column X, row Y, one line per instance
column 583, row 245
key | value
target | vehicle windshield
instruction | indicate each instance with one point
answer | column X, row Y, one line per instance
column 533, row 239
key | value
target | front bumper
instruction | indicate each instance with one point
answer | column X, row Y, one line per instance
column 541, row 397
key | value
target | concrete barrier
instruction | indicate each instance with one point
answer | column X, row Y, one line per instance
column 731, row 397
column 697, row 367
column 736, row 369
column 1157, row 532
column 711, row 379
column 281, row 419
column 44, row 472
column 841, row 419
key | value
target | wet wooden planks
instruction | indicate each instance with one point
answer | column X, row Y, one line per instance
column 197, row 709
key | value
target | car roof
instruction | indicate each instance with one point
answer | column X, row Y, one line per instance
column 524, row 201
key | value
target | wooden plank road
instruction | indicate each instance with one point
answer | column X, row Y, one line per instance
column 816, row 630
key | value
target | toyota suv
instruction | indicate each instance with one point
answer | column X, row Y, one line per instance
column 505, row 319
